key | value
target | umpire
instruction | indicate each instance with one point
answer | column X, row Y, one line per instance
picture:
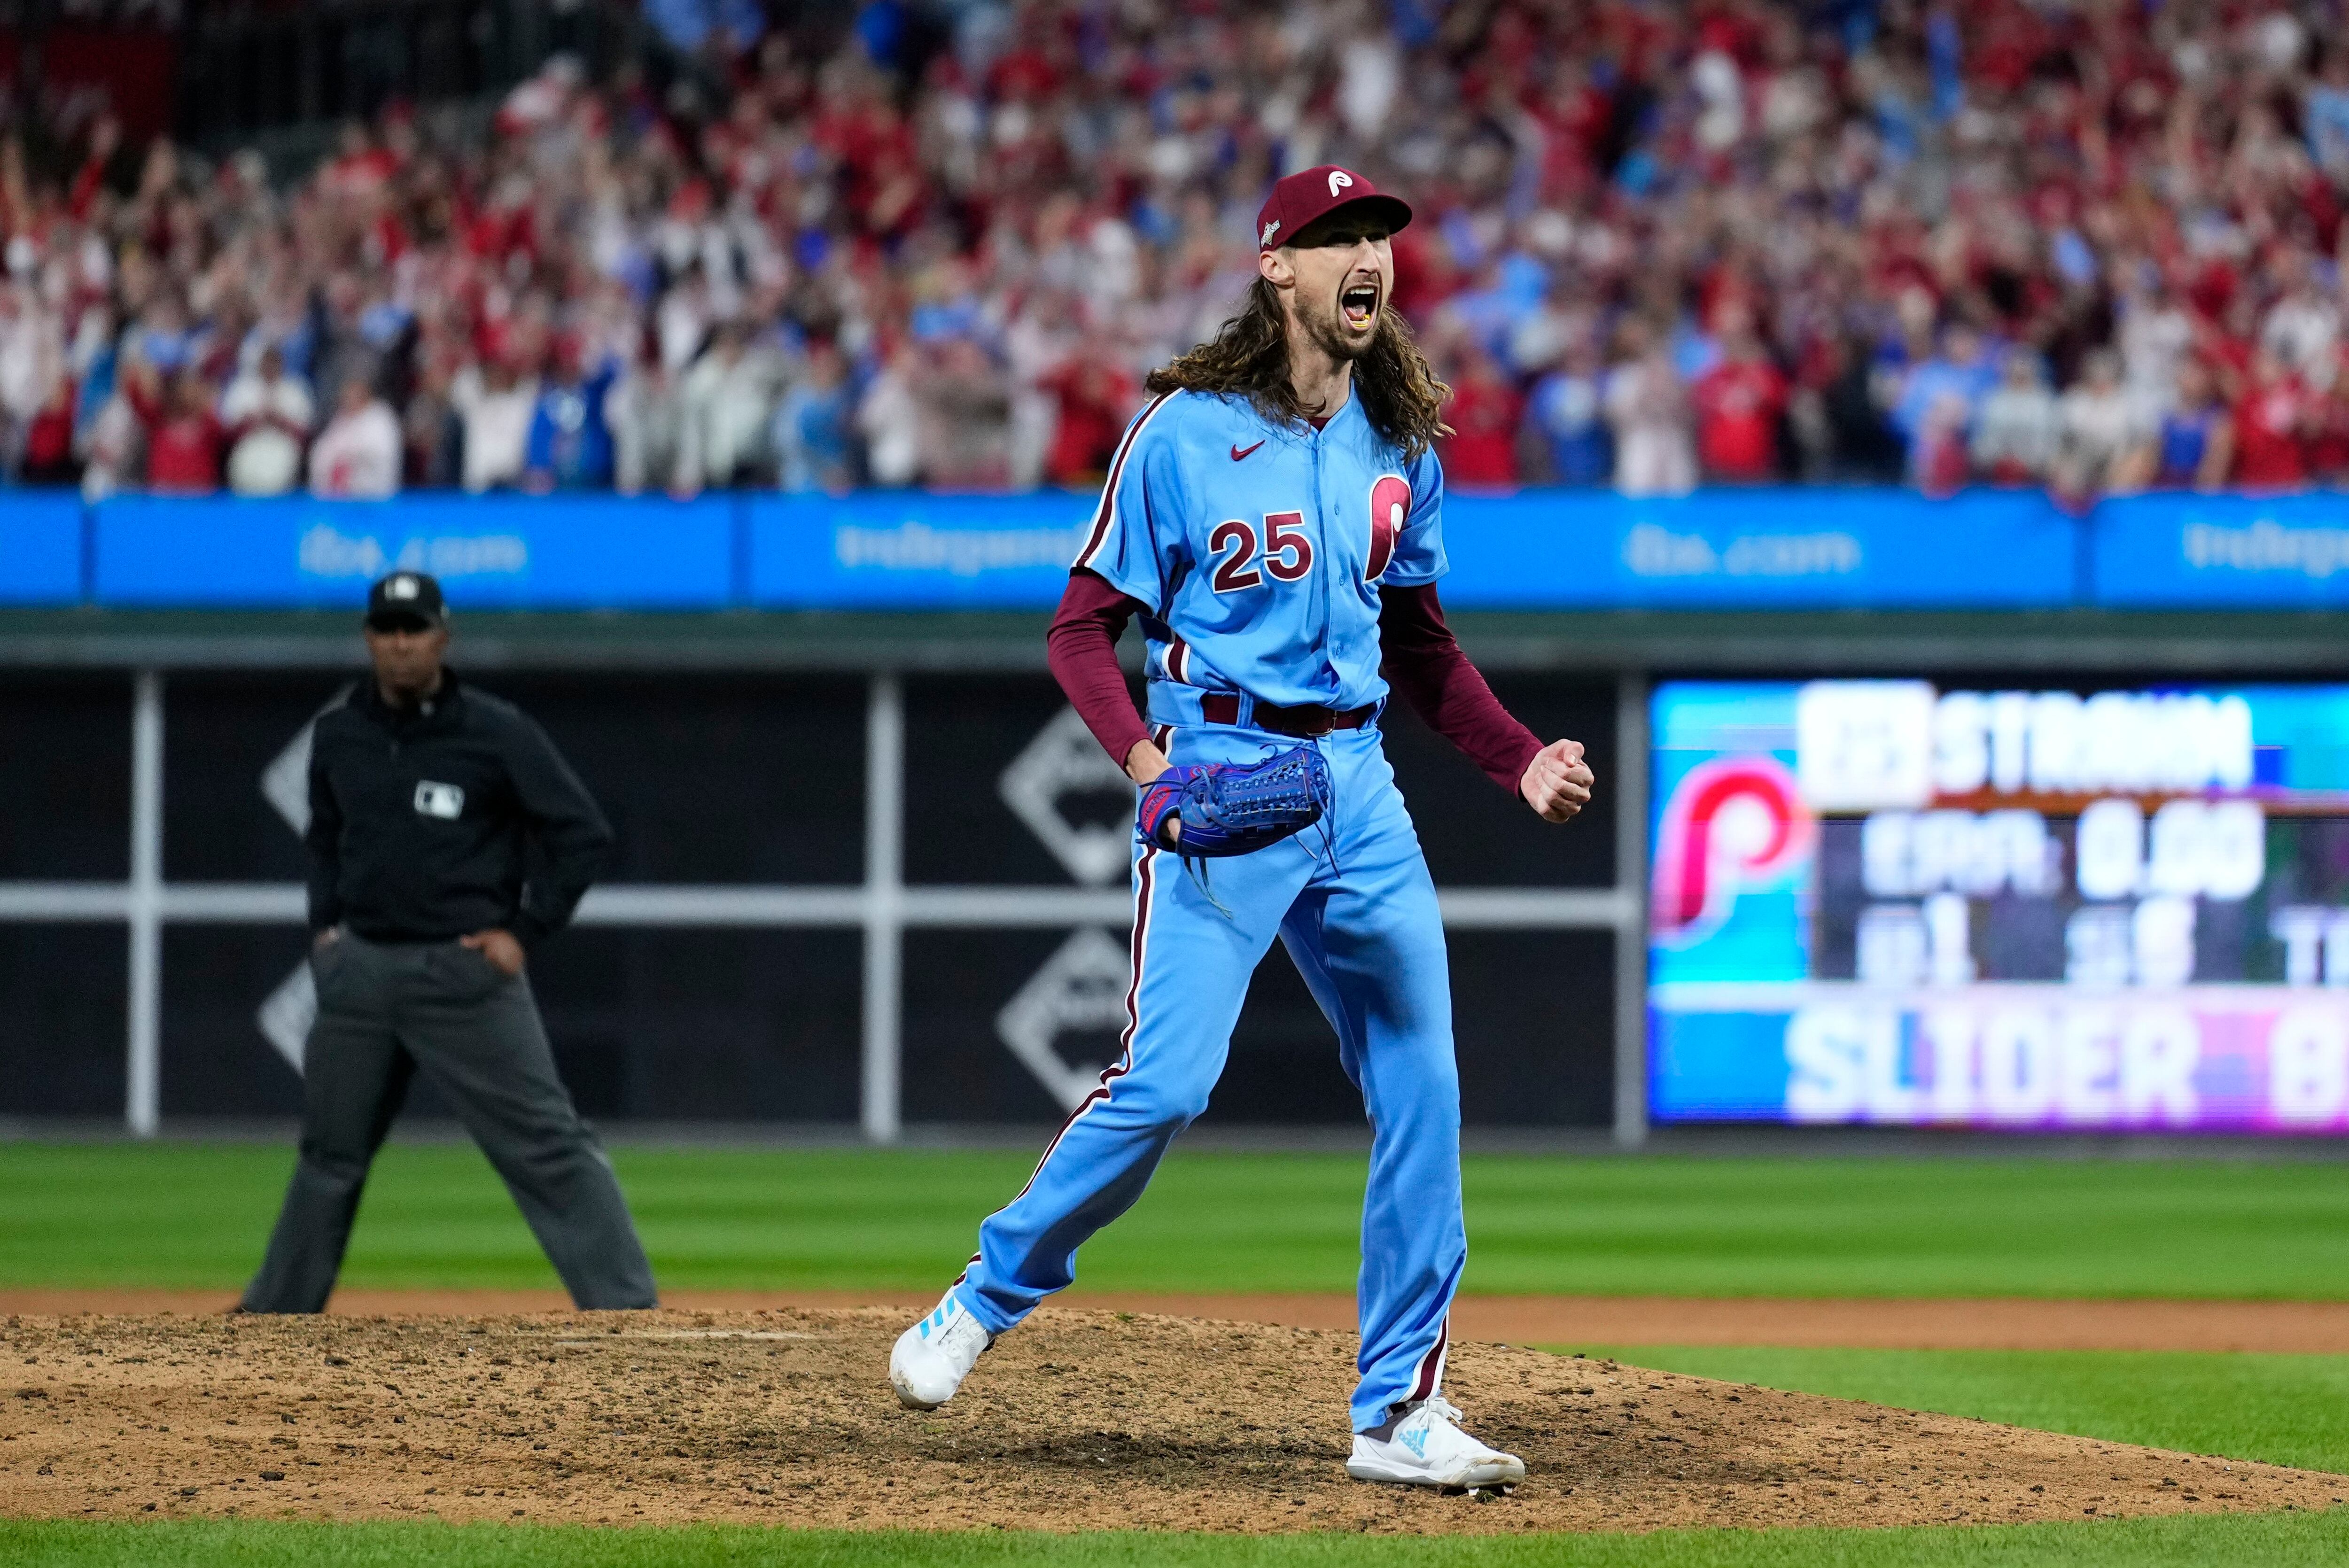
column 424, row 797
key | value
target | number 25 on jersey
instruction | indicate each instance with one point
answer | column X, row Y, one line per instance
column 1243, row 555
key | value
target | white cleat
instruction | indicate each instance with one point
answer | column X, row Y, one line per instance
column 933, row 1357
column 1427, row 1448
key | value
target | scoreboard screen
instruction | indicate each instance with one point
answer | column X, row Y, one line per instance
column 1886, row 901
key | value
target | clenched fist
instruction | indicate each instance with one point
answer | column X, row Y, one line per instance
column 1557, row 780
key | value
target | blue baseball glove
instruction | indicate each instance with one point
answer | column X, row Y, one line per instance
column 1228, row 809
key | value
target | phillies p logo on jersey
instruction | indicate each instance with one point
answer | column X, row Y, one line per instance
column 1390, row 504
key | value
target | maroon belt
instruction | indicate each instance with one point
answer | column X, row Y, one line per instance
column 1301, row 723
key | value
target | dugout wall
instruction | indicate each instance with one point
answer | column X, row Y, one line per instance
column 792, row 930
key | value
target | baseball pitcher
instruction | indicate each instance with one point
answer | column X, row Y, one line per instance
column 1274, row 517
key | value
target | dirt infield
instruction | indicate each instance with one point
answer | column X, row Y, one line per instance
column 1081, row 1420
column 2304, row 1326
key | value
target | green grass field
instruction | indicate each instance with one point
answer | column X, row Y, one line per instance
column 2285, row 1409
column 2266, row 1540
column 194, row 1215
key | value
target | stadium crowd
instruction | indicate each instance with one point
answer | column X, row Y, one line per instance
column 2093, row 244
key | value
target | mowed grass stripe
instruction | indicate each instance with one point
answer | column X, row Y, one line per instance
column 196, row 1215
column 2284, row 1410
column 2274, row 1541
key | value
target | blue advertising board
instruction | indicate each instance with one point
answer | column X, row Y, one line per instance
column 2222, row 550
column 884, row 550
column 499, row 552
column 1530, row 550
column 40, row 547
column 1760, row 549
column 1791, row 549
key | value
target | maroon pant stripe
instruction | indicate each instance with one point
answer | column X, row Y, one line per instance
column 1124, row 1063
column 1431, row 1365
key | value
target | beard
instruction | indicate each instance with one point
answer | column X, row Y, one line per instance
column 1325, row 329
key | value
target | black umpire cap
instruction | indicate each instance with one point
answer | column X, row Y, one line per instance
column 406, row 601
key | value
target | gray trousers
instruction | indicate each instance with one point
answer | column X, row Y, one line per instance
column 384, row 1012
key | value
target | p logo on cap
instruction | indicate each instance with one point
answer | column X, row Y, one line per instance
column 1300, row 200
column 400, row 587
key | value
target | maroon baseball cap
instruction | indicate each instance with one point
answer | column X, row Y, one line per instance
column 1301, row 198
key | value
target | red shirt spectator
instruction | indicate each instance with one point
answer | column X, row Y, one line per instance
column 105, row 145
column 183, row 447
column 2326, row 449
column 1939, row 459
column 1483, row 415
column 1025, row 72
column 2270, row 450
column 359, row 167
column 1738, row 404
column 1575, row 121
column 1095, row 400
column 48, row 437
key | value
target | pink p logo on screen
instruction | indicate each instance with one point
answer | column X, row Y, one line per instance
column 1729, row 824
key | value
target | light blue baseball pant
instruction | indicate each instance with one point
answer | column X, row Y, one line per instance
column 1357, row 911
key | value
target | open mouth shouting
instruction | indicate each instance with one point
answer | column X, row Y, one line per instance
column 1359, row 305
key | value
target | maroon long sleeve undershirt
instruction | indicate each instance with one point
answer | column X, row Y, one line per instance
column 1426, row 663
column 1423, row 662
column 1082, row 648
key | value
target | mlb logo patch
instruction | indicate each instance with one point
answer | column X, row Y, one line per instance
column 446, row 801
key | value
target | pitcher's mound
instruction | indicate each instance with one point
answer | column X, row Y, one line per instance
column 1078, row 1420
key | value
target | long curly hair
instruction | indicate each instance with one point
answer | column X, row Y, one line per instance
column 1248, row 358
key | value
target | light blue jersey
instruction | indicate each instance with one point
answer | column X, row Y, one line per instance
column 1259, row 548
column 1258, row 552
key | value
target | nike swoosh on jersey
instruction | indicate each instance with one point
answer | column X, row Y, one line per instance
column 1238, row 451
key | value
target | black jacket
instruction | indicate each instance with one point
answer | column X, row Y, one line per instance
column 421, row 820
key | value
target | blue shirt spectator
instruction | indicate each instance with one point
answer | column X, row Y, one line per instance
column 1568, row 410
column 570, row 443
column 1945, row 57
column 1513, row 292
column 687, row 23
column 1694, row 349
column 96, row 388
column 815, row 423
column 2325, row 113
column 1963, row 371
column 2196, row 438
